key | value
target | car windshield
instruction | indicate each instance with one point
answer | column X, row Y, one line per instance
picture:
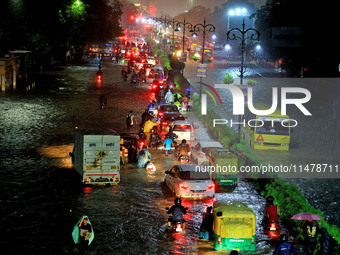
column 183, row 128
column 193, row 175
column 272, row 126
column 169, row 108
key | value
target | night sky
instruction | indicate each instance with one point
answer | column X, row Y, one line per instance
column 174, row 7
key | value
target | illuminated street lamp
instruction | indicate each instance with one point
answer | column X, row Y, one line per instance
column 183, row 24
column 204, row 28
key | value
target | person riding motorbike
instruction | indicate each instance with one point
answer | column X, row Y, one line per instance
column 124, row 74
column 155, row 138
column 183, row 149
column 177, row 212
column 270, row 212
column 134, row 78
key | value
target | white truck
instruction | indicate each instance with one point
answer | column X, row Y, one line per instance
column 97, row 156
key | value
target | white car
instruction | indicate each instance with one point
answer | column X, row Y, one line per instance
column 190, row 181
column 184, row 130
column 200, row 151
column 151, row 60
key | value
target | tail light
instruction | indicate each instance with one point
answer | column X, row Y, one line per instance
column 219, row 240
column 183, row 186
column 201, row 155
column 87, row 180
column 116, row 179
column 211, row 187
column 126, row 153
column 273, row 225
column 212, row 57
column 154, row 86
column 164, row 123
column 160, row 114
column 161, row 82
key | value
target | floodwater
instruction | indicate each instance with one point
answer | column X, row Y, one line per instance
column 41, row 197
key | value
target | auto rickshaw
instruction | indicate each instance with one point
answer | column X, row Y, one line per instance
column 224, row 167
column 234, row 226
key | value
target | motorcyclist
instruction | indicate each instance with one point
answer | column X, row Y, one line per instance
column 285, row 248
column 270, row 212
column 124, row 74
column 183, row 149
column 134, row 77
column 103, row 101
column 155, row 138
column 177, row 212
column 141, row 135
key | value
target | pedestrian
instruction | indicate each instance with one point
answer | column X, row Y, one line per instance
column 207, row 224
column 103, row 101
column 326, row 242
column 85, row 229
column 168, row 97
column 144, row 157
column 130, row 120
column 167, row 145
column 285, row 248
column 310, row 232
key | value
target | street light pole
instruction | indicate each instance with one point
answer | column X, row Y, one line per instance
column 184, row 24
column 243, row 38
column 204, row 28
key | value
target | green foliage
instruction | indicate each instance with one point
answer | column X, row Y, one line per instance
column 180, row 82
column 251, row 82
column 228, row 78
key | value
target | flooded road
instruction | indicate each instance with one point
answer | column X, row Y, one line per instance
column 42, row 198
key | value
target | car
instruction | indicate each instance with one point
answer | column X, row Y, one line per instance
column 200, row 151
column 166, row 108
column 151, row 60
column 184, row 129
column 189, row 181
column 168, row 119
column 147, row 68
column 156, row 73
column 157, row 84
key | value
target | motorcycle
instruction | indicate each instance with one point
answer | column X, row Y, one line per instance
column 141, row 143
column 99, row 78
column 184, row 159
column 124, row 76
column 272, row 229
column 177, row 226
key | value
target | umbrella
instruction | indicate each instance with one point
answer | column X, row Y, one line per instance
column 306, row 216
column 189, row 89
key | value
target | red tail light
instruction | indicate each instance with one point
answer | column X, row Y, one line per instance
column 164, row 123
column 273, row 225
column 219, row 240
column 211, row 187
column 183, row 186
column 161, row 82
column 160, row 114
column 201, row 155
column 126, row 153
column 154, row 86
